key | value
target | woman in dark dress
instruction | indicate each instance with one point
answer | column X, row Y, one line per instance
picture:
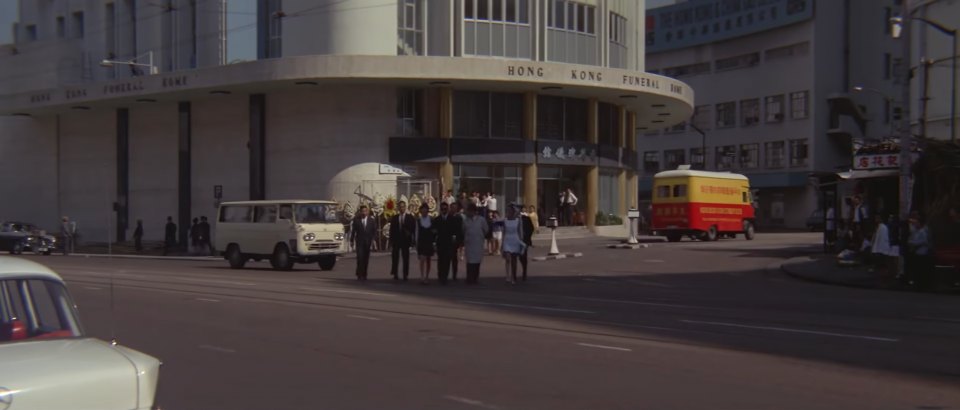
column 425, row 237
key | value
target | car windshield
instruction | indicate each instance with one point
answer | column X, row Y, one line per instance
column 35, row 308
column 315, row 213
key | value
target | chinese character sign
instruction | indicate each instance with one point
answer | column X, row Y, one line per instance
column 876, row 161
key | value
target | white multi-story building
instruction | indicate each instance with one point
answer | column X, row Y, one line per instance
column 341, row 99
column 775, row 86
column 932, row 62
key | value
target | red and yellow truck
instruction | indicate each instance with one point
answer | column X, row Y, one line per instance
column 702, row 204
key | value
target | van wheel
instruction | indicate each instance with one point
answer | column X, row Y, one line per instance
column 711, row 234
column 327, row 262
column 748, row 230
column 674, row 237
column 280, row 260
column 234, row 257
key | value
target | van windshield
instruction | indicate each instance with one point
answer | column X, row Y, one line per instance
column 316, row 213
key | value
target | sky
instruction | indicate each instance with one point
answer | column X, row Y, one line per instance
column 650, row 3
column 8, row 15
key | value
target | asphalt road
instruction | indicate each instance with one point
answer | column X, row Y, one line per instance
column 675, row 326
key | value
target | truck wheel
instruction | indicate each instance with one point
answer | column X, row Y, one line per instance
column 327, row 262
column 748, row 231
column 674, row 237
column 234, row 257
column 711, row 235
column 280, row 260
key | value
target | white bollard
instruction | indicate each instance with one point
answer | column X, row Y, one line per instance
column 633, row 214
column 552, row 224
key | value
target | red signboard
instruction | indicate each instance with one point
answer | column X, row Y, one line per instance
column 876, row 161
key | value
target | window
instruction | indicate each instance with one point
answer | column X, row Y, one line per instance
column 749, row 112
column 702, row 117
column 887, row 66
column 726, row 157
column 286, row 212
column 77, row 24
column 651, row 162
column 236, row 213
column 687, row 70
column 410, row 26
column 727, row 115
column 737, row 62
column 663, row 191
column 775, row 154
column 608, row 124
column 48, row 320
column 799, row 105
column 673, row 158
column 274, row 29
column 887, row 15
column 480, row 114
column 749, row 155
column 549, row 117
column 506, row 115
column 575, row 119
column 508, row 11
column 680, row 191
column 409, row 115
column 483, row 10
column 61, row 27
column 618, row 29
column 780, row 53
column 798, row 153
column 774, row 108
column 265, row 214
column 679, row 128
column 316, row 213
column 31, row 30
column 573, row 16
column 697, row 160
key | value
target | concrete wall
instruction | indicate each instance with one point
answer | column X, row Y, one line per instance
column 88, row 172
column 362, row 27
column 28, row 173
column 153, row 167
column 314, row 135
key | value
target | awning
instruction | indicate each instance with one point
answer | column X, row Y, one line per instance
column 868, row 173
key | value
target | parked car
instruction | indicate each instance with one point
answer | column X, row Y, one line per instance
column 815, row 221
column 18, row 237
column 46, row 359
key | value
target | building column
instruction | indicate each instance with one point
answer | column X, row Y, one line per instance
column 446, row 132
column 593, row 174
column 633, row 180
column 622, row 175
column 184, row 179
column 123, row 173
column 530, row 175
column 256, row 144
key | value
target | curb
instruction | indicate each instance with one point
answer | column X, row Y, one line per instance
column 784, row 268
column 629, row 246
column 558, row 257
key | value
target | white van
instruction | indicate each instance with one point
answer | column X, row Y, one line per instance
column 283, row 231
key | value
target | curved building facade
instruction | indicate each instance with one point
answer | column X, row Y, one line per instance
column 349, row 100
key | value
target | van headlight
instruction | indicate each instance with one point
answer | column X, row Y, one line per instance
column 338, row 236
column 309, row 237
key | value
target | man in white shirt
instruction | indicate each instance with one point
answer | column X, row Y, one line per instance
column 569, row 205
column 449, row 199
column 491, row 203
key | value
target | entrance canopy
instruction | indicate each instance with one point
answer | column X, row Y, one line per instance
column 863, row 174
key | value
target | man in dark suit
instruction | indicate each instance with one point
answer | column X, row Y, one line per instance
column 362, row 234
column 401, row 236
column 527, row 227
column 449, row 236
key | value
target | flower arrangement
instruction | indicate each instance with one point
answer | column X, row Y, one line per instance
column 390, row 207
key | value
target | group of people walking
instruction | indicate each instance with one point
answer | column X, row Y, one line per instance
column 458, row 234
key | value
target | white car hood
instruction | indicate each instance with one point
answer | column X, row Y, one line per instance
column 76, row 374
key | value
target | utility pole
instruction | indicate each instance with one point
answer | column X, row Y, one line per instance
column 906, row 132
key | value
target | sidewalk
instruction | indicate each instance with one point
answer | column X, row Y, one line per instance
column 824, row 269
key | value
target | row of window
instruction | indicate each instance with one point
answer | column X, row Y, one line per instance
column 507, row 11
column 776, row 155
column 736, row 62
column 572, row 16
column 726, row 116
column 749, row 11
column 76, row 28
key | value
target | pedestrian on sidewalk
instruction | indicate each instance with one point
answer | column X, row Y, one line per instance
column 881, row 249
column 448, row 228
column 475, row 231
column 402, row 228
column 529, row 227
column 67, row 231
column 457, row 213
column 194, row 234
column 425, row 238
column 496, row 227
column 138, row 236
column 569, row 206
column 206, row 243
column 169, row 236
column 919, row 263
column 363, row 233
column 512, row 245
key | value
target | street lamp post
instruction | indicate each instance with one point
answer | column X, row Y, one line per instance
column 703, row 144
column 899, row 28
column 133, row 62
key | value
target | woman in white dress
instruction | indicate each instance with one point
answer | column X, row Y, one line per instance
column 881, row 248
column 512, row 245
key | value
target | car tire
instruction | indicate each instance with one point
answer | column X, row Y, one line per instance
column 16, row 249
column 234, row 257
column 748, row 230
column 712, row 234
column 47, row 252
column 327, row 262
column 280, row 260
column 673, row 237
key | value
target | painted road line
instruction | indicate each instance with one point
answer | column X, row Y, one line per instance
column 647, row 283
column 619, row 349
column 225, row 282
column 471, row 402
column 92, row 288
column 353, row 292
column 530, row 307
column 654, row 260
column 633, row 302
column 784, row 329
column 217, row 349
column 363, row 317
column 208, row 300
